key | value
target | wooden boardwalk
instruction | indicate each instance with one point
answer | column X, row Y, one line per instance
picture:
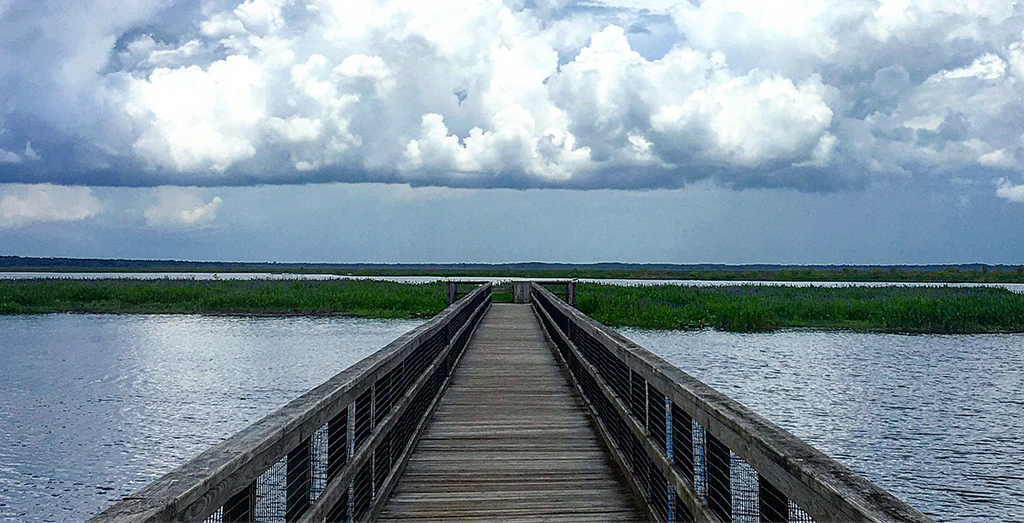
column 511, row 439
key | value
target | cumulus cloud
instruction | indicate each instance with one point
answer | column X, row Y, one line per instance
column 1006, row 189
column 181, row 207
column 815, row 94
column 25, row 204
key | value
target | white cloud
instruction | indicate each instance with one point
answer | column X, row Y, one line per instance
column 199, row 118
column 799, row 33
column 998, row 158
column 372, row 68
column 10, row 157
column 24, row 204
column 519, row 94
column 893, row 19
column 1006, row 189
column 988, row 67
column 181, row 206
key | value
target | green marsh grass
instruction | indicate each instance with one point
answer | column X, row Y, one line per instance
column 373, row 299
column 742, row 308
column 753, row 308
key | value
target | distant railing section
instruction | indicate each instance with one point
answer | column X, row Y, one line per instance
column 512, row 291
column 455, row 290
column 333, row 454
column 693, row 454
column 564, row 289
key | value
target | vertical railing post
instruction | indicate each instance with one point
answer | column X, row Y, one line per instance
column 242, row 506
column 297, row 481
column 521, row 291
column 570, row 293
column 719, row 481
column 451, row 292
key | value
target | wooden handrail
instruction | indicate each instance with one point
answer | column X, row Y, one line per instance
column 201, row 487
column 822, row 487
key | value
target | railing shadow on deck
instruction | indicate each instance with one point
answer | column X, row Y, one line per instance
column 693, row 454
column 334, row 453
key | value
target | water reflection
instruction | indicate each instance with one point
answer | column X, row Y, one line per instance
column 94, row 407
column 936, row 420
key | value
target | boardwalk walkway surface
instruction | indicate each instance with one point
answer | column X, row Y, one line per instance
column 510, row 439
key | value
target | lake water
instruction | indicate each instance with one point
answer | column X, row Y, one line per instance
column 1015, row 287
column 937, row 420
column 93, row 408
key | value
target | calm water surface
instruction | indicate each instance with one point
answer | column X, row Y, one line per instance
column 94, row 407
column 937, row 420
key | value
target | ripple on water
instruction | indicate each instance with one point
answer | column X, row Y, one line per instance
column 93, row 408
column 936, row 420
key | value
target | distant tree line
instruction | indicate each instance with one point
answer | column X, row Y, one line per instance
column 974, row 272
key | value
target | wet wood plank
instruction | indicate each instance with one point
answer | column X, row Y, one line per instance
column 511, row 440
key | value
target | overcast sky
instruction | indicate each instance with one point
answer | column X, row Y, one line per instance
column 734, row 131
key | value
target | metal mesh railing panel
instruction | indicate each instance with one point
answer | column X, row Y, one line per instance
column 700, row 469
column 797, row 514
column 723, row 482
column 320, row 455
column 270, row 499
column 745, row 498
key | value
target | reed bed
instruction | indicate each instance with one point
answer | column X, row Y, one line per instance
column 754, row 308
column 371, row 299
column 740, row 308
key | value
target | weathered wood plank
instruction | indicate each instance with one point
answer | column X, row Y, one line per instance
column 510, row 439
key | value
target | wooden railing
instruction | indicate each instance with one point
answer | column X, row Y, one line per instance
column 513, row 291
column 455, row 290
column 333, row 454
column 692, row 454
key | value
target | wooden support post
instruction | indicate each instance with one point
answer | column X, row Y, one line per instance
column 521, row 291
column 719, row 483
column 570, row 293
column 452, row 292
column 242, row 506
column 297, row 482
column 773, row 506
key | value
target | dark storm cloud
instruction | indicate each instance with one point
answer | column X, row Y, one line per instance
column 816, row 96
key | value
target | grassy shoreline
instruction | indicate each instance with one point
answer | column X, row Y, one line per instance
column 371, row 299
column 760, row 308
column 740, row 308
